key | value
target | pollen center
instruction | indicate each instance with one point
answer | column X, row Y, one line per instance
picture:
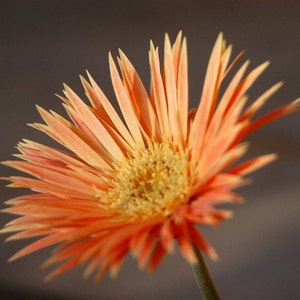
column 150, row 184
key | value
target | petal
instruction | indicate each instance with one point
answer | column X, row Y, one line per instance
column 96, row 128
column 200, row 242
column 182, row 90
column 157, row 91
column 208, row 100
column 139, row 96
column 167, row 235
column 127, row 107
column 170, row 90
column 67, row 135
column 185, row 242
column 105, row 110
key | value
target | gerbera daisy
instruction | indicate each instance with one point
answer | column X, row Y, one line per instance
column 138, row 183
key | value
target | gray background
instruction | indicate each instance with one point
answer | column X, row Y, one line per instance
column 45, row 43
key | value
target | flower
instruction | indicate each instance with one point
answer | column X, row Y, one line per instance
column 137, row 184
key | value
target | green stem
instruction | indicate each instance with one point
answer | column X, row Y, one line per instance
column 203, row 278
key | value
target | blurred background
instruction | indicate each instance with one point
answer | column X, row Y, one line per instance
column 46, row 43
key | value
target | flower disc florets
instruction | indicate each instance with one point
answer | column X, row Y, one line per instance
column 150, row 183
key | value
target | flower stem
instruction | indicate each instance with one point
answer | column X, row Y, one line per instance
column 203, row 278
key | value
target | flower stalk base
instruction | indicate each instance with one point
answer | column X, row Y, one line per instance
column 204, row 279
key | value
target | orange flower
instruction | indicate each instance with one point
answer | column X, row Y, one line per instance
column 137, row 184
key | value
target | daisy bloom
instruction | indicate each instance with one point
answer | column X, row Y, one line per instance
column 139, row 182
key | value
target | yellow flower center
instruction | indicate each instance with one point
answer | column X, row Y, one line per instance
column 151, row 183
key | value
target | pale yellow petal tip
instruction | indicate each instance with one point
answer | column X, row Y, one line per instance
column 38, row 107
column 296, row 104
column 167, row 35
column 88, row 74
column 12, row 258
column 6, row 230
column 52, row 275
column 213, row 255
column 46, row 264
column 85, row 275
column 151, row 45
column 82, row 79
column 267, row 159
column 271, row 157
column 5, row 162
column 122, row 54
column 48, row 278
column 265, row 64
column 278, row 85
column 114, row 273
column 9, row 239
column 220, row 38
column 228, row 214
column 66, row 88
column 179, row 34
column 239, row 200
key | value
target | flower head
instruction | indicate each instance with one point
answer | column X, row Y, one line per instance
column 137, row 183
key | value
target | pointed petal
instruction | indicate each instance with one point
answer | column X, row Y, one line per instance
column 270, row 117
column 93, row 124
column 66, row 135
column 40, row 244
column 157, row 91
column 182, row 90
column 139, row 96
column 167, row 236
column 126, row 105
column 185, row 242
column 101, row 102
column 170, row 89
column 208, row 99
column 257, row 104
column 200, row 242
